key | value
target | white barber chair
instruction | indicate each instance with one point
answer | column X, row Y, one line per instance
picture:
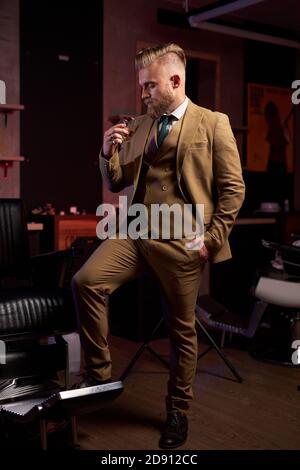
column 282, row 289
column 278, row 288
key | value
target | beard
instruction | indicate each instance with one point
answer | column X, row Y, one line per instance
column 156, row 108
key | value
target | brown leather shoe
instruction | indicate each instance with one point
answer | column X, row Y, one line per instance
column 175, row 431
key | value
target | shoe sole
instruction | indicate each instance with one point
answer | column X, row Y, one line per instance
column 172, row 447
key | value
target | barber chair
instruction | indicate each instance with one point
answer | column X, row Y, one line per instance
column 218, row 317
column 280, row 288
column 35, row 304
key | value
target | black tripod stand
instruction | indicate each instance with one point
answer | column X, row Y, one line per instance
column 214, row 346
column 200, row 327
column 142, row 348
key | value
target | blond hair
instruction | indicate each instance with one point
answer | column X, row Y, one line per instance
column 145, row 57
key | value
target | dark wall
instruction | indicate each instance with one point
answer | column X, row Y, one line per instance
column 61, row 126
column 232, row 280
column 270, row 65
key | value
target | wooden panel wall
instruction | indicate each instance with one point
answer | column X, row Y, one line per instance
column 10, row 73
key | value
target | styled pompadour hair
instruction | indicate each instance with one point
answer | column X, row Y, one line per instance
column 145, row 57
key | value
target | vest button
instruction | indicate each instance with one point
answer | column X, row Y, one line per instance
column 164, row 187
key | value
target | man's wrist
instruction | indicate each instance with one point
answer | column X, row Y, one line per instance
column 106, row 157
column 195, row 244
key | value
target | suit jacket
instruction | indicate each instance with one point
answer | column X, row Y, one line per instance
column 208, row 170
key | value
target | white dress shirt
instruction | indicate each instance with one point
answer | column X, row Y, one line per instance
column 176, row 115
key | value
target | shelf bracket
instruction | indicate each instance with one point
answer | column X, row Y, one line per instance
column 7, row 162
column 6, row 165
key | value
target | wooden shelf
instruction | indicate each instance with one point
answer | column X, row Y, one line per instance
column 7, row 162
column 6, row 109
column 10, row 108
column 255, row 221
column 12, row 159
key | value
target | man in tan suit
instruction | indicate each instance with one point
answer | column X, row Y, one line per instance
column 177, row 153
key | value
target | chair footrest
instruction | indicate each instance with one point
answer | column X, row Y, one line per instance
column 219, row 314
column 75, row 402
column 14, row 389
column 213, row 308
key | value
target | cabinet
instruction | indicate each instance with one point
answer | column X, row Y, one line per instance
column 6, row 161
column 60, row 231
column 69, row 227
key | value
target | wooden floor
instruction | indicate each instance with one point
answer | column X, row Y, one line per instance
column 261, row 413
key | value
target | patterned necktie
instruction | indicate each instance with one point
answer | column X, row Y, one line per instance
column 164, row 131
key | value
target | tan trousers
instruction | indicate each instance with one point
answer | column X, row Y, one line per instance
column 179, row 272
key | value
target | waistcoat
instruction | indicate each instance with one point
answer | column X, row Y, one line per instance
column 158, row 183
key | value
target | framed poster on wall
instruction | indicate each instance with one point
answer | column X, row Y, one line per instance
column 270, row 115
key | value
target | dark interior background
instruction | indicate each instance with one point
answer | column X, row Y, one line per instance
column 272, row 72
column 231, row 281
column 61, row 128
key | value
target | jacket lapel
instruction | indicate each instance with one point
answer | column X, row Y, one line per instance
column 191, row 122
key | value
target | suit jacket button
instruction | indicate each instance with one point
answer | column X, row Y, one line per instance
column 164, row 187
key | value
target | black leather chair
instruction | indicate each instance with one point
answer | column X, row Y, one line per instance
column 35, row 303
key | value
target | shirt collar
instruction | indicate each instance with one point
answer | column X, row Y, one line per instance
column 179, row 112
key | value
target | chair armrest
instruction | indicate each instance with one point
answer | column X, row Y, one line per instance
column 52, row 269
column 53, row 254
